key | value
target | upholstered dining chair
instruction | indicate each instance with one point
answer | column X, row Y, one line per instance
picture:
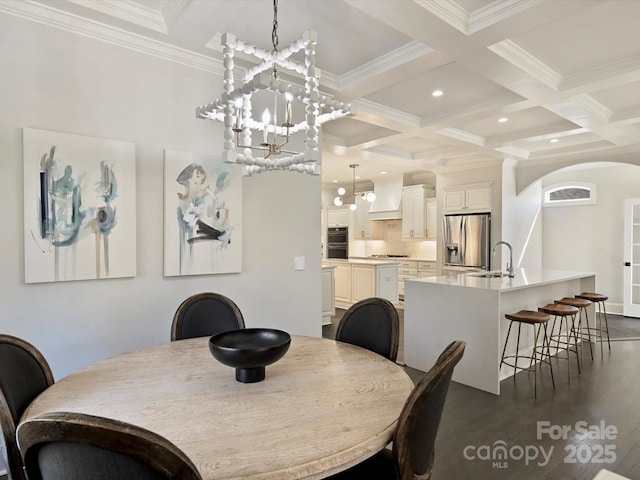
column 73, row 446
column 412, row 454
column 24, row 374
column 373, row 324
column 205, row 314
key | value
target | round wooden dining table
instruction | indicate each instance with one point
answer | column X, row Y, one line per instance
column 322, row 408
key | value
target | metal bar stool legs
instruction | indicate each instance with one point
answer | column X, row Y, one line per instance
column 563, row 312
column 599, row 299
column 538, row 321
column 582, row 331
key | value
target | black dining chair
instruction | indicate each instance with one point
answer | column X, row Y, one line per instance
column 373, row 324
column 205, row 314
column 24, row 374
column 73, row 446
column 412, row 454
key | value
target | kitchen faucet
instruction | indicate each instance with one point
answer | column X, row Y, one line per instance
column 510, row 264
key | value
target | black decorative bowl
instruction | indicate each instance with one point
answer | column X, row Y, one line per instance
column 249, row 350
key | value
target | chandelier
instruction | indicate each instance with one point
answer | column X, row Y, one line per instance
column 341, row 198
column 234, row 109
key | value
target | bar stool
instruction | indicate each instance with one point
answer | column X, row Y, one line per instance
column 582, row 332
column 563, row 311
column 598, row 299
column 535, row 319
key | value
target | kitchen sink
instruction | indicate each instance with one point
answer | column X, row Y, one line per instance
column 490, row 275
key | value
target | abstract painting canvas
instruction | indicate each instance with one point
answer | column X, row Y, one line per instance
column 203, row 214
column 79, row 207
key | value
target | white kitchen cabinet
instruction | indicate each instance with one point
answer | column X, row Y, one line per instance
column 406, row 269
column 338, row 216
column 356, row 280
column 414, row 212
column 426, row 269
column 328, row 294
column 363, row 282
column 468, row 198
column 432, row 218
column 361, row 224
column 343, row 282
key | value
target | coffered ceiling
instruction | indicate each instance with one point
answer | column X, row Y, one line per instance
column 564, row 73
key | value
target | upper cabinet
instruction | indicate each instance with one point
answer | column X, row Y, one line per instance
column 414, row 212
column 338, row 217
column 468, row 198
column 432, row 223
column 361, row 224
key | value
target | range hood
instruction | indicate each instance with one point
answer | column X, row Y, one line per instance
column 388, row 202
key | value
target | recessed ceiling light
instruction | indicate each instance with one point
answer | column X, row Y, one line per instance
column 334, row 181
column 383, row 173
column 503, row 120
column 554, row 140
column 437, row 93
column 357, row 177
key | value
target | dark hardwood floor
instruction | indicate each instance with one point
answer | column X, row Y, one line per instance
column 598, row 414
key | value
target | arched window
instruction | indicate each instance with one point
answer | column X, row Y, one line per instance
column 569, row 194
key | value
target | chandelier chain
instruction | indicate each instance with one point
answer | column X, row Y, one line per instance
column 274, row 33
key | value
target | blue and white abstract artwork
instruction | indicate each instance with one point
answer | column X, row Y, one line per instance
column 203, row 215
column 79, row 207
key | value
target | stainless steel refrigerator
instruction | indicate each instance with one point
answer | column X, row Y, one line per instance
column 467, row 240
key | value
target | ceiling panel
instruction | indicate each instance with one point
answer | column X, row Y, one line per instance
column 460, row 86
column 536, row 118
column 583, row 41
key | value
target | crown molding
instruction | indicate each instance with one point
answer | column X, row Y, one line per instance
column 393, row 115
column 471, row 22
column 526, row 62
column 172, row 11
column 591, row 105
column 628, row 115
column 463, row 136
column 52, row 17
column 384, row 63
column 334, row 140
column 128, row 11
column 496, row 12
column 390, row 152
column 514, row 151
column 621, row 71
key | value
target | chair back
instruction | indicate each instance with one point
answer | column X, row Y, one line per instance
column 205, row 314
column 415, row 436
column 72, row 446
column 373, row 324
column 24, row 374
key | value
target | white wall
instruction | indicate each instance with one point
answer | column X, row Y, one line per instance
column 521, row 221
column 590, row 237
column 56, row 80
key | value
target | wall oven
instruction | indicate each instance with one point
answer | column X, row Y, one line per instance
column 338, row 242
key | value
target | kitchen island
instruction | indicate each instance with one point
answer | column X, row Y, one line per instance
column 439, row 310
column 357, row 279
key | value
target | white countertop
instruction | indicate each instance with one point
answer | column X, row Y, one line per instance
column 363, row 261
column 523, row 278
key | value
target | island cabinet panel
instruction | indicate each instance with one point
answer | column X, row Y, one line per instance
column 363, row 282
column 387, row 282
column 343, row 282
column 328, row 294
column 356, row 280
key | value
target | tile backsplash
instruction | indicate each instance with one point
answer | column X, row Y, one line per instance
column 388, row 240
